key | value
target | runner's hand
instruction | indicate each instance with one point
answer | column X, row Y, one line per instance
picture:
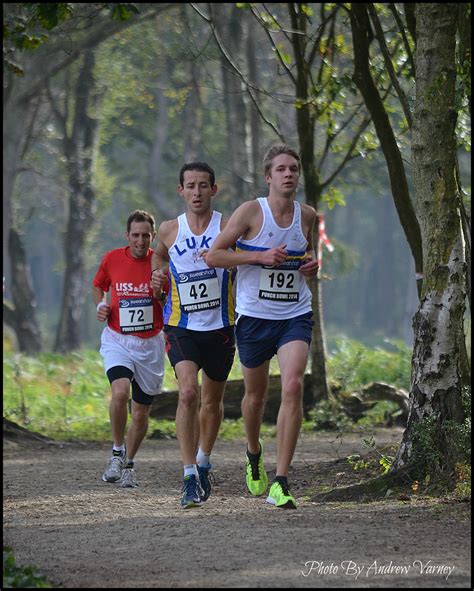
column 158, row 281
column 103, row 312
column 273, row 256
column 310, row 267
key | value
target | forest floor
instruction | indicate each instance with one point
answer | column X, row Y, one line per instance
column 80, row 532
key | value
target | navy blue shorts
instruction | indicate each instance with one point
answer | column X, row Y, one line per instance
column 258, row 339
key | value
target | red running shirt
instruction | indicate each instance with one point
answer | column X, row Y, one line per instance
column 133, row 309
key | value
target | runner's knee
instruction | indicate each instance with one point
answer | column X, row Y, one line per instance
column 140, row 414
column 212, row 405
column 254, row 398
column 188, row 397
column 292, row 389
column 121, row 391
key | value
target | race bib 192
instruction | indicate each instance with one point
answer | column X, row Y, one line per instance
column 280, row 283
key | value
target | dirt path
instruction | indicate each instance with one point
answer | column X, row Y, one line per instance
column 83, row 533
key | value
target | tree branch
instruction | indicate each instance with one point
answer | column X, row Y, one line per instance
column 410, row 16
column 399, row 185
column 229, row 60
column 388, row 63
column 105, row 30
column 277, row 51
column 348, row 155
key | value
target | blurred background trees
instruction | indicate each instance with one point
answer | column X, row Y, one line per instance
column 100, row 115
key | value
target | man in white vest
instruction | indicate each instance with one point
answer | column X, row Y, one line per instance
column 199, row 324
column 274, row 257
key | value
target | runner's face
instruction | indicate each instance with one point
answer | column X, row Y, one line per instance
column 284, row 174
column 140, row 238
column 197, row 191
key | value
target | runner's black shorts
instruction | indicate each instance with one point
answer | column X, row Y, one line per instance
column 212, row 351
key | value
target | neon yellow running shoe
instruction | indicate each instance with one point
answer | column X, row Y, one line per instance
column 280, row 496
column 256, row 477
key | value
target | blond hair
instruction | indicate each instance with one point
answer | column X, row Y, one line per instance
column 275, row 151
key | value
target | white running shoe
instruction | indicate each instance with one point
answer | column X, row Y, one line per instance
column 128, row 478
column 113, row 470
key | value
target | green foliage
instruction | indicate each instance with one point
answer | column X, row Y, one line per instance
column 327, row 415
column 67, row 396
column 379, row 413
column 357, row 463
column 234, row 428
column 51, row 15
column 122, row 11
column 439, row 447
column 64, row 397
column 20, row 577
column 353, row 364
column 377, row 462
column 24, row 26
column 385, row 461
column 158, row 429
column 462, row 489
column 333, row 196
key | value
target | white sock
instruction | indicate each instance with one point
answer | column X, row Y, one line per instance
column 120, row 448
column 202, row 458
column 191, row 469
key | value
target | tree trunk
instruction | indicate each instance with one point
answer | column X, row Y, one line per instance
column 361, row 32
column 255, row 155
column 78, row 150
column 21, row 317
column 14, row 121
column 160, row 138
column 227, row 16
column 40, row 66
column 305, row 122
column 193, row 116
column 436, row 384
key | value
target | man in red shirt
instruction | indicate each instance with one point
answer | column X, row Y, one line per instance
column 132, row 343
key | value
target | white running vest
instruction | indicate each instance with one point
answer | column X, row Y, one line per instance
column 200, row 298
column 274, row 293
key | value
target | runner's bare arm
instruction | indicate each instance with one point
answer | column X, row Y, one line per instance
column 103, row 309
column 241, row 222
column 160, row 258
column 205, row 251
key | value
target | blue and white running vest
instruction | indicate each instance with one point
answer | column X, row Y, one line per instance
column 274, row 293
column 200, row 298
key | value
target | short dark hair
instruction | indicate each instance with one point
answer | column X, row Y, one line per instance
column 202, row 166
column 275, row 151
column 139, row 215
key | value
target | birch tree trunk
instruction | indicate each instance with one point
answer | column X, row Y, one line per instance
column 436, row 382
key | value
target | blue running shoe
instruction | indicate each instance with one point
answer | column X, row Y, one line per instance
column 205, row 480
column 192, row 492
